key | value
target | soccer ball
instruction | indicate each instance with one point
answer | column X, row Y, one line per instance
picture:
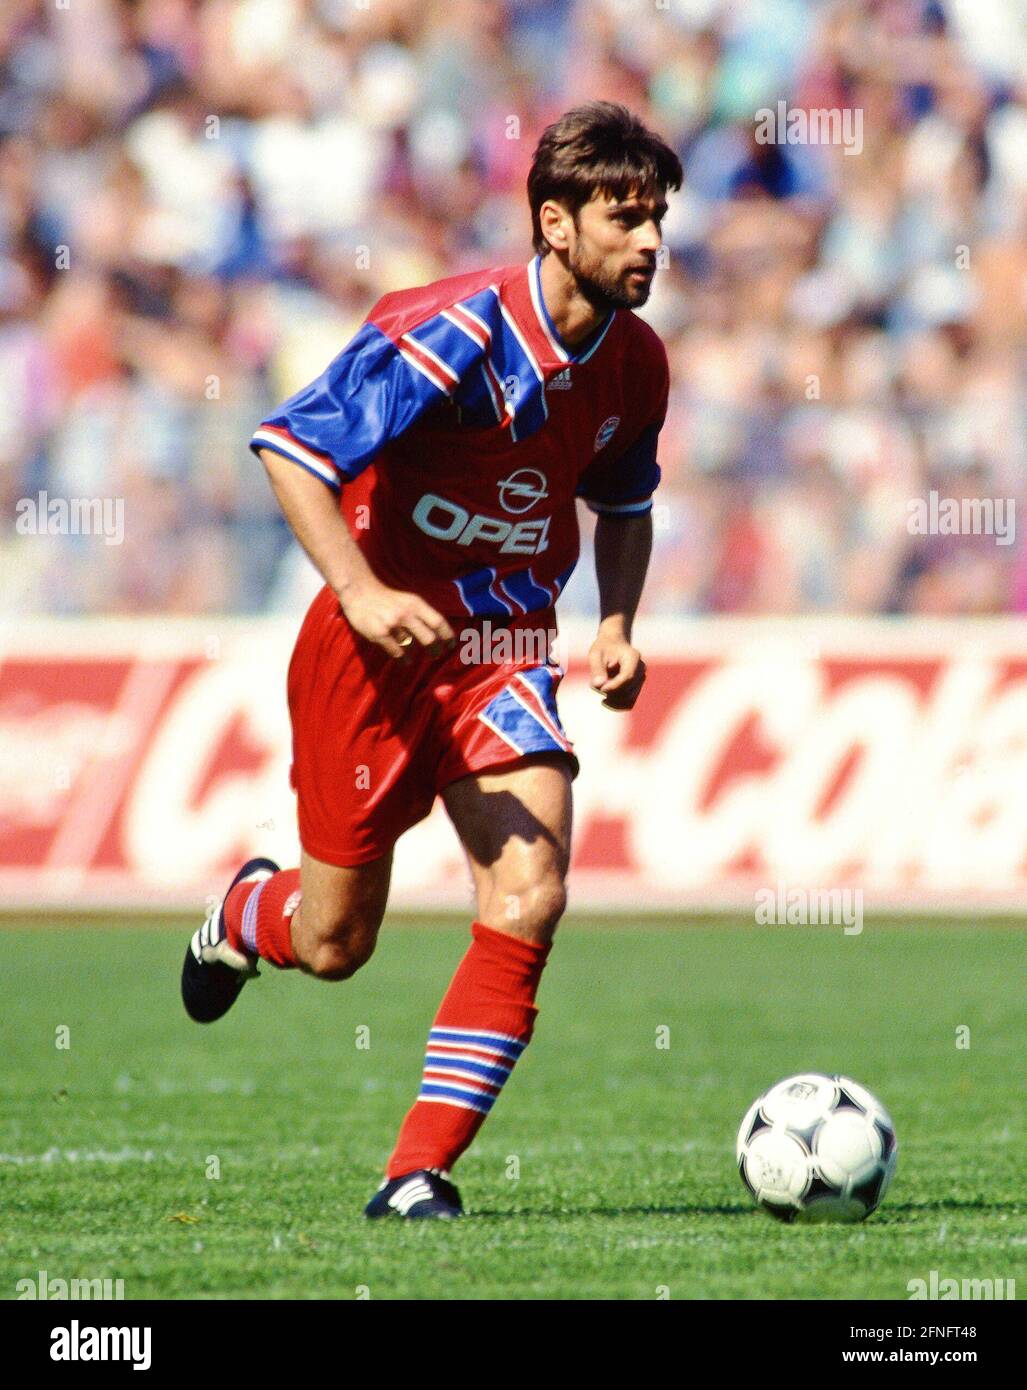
column 817, row 1148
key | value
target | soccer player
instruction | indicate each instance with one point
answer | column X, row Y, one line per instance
column 430, row 473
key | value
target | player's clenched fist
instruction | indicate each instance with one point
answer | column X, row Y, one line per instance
column 617, row 671
column 396, row 620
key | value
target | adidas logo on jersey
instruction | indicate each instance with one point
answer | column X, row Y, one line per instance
column 560, row 382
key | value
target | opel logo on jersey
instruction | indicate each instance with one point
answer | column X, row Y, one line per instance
column 605, row 432
column 522, row 490
column 444, row 520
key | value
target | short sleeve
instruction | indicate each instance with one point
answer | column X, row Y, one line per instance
column 370, row 393
column 623, row 485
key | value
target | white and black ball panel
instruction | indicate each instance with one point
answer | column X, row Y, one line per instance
column 754, row 1121
column 846, row 1099
column 864, row 1099
column 870, row 1191
column 889, row 1144
column 777, row 1167
column 887, row 1172
column 800, row 1102
column 847, row 1148
column 745, row 1178
column 820, row 1190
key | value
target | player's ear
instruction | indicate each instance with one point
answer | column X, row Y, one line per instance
column 554, row 220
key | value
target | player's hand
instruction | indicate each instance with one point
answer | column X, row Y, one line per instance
column 396, row 621
column 618, row 671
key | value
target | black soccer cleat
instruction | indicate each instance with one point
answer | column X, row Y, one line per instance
column 425, row 1194
column 214, row 972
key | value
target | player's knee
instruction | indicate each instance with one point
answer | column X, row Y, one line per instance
column 535, row 908
column 336, row 947
column 549, row 905
column 338, row 958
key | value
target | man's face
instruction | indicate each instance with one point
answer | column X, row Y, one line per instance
column 613, row 253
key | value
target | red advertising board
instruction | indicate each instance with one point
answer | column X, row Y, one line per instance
column 140, row 761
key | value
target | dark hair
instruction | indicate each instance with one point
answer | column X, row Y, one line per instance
column 599, row 145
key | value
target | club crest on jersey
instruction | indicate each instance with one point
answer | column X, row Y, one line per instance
column 522, row 490
column 605, row 432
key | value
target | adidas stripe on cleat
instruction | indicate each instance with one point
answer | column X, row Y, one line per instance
column 418, row 1196
column 214, row 972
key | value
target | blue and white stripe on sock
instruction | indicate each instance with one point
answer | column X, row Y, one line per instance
column 467, row 1067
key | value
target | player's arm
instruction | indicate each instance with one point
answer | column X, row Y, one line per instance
column 623, row 544
column 380, row 614
column 619, row 490
column 328, row 433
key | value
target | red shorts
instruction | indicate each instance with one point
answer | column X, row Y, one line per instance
column 374, row 740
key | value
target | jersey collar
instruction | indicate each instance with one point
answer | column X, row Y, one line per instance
column 560, row 349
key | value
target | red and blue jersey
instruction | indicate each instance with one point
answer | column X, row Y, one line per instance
column 459, row 429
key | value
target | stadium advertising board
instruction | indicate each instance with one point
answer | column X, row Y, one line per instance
column 140, row 763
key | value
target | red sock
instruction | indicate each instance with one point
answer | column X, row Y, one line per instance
column 483, row 1025
column 258, row 917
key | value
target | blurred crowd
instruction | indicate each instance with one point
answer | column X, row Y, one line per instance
column 200, row 200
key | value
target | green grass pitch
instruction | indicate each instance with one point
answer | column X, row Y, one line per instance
column 607, row 1169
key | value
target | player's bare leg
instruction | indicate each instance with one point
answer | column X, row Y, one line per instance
column 320, row 918
column 516, row 827
column 334, row 929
